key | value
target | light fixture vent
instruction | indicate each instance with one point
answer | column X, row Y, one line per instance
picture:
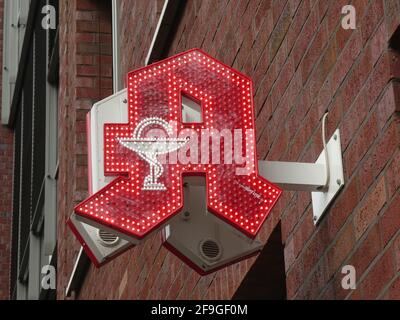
column 210, row 250
column 107, row 239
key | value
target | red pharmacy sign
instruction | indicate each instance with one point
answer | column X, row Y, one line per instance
column 151, row 153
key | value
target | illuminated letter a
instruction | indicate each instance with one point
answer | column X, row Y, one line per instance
column 148, row 192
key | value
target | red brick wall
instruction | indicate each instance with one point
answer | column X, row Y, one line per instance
column 136, row 34
column 303, row 64
column 85, row 77
column 136, row 266
column 6, row 178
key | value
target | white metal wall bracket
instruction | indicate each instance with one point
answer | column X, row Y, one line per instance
column 297, row 176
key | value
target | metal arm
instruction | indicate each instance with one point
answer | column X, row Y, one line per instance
column 298, row 176
column 294, row 176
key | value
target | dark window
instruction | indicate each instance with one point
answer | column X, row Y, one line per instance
column 30, row 112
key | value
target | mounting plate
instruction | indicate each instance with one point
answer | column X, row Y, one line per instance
column 322, row 200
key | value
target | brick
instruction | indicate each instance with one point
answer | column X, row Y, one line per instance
column 87, row 70
column 88, row 48
column 333, row 15
column 371, row 90
column 315, row 282
column 340, row 248
column 293, row 213
column 396, row 91
column 304, row 39
column 86, row 26
column 342, row 208
column 373, row 203
column 259, row 18
column 315, row 249
column 389, row 223
column 328, row 293
column 392, row 176
column 91, row 93
column 278, row 10
column 86, row 15
column 367, row 251
column 379, row 156
column 303, row 232
column 386, row 107
column 282, row 82
column 314, row 52
column 84, row 59
column 355, row 295
column 378, row 79
column 86, row 5
column 327, row 61
column 371, row 19
column 85, row 82
column 352, row 120
column 289, row 254
column 298, row 22
column 379, row 276
column 279, row 145
column 396, row 246
column 294, row 279
column 393, row 292
column 87, row 38
column 346, row 60
column 361, row 143
column 378, row 43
